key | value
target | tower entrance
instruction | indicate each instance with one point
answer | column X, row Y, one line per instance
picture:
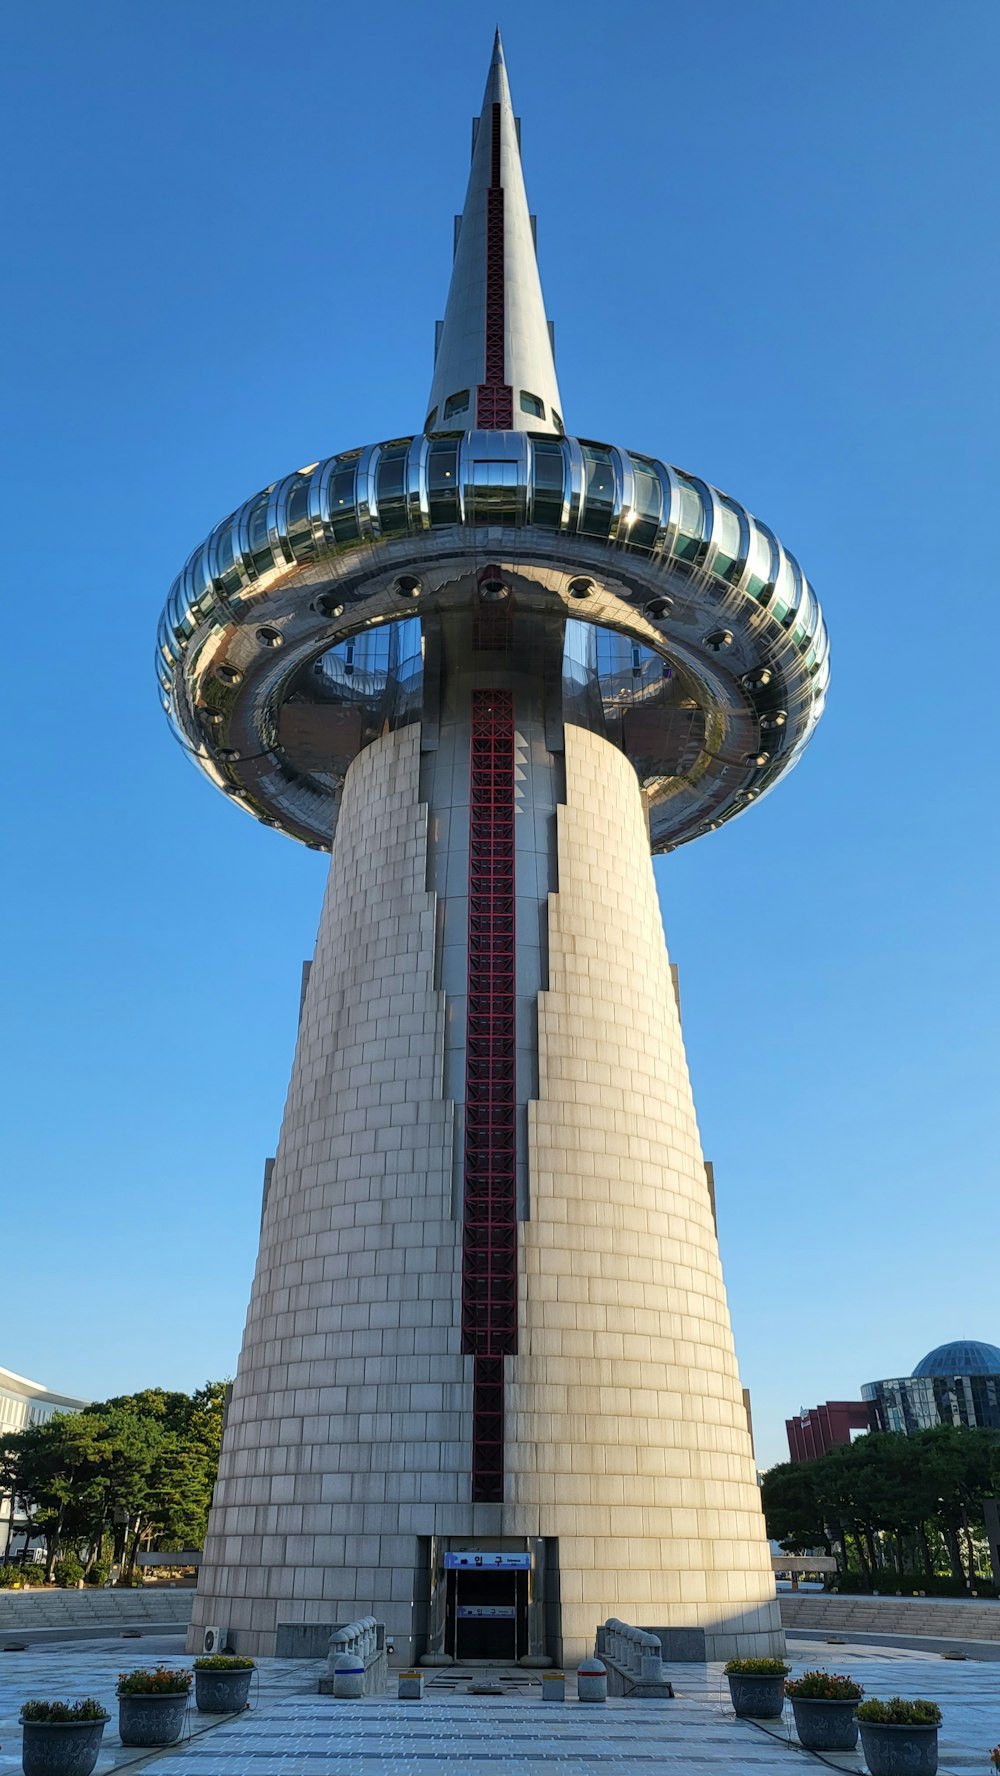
column 486, row 1607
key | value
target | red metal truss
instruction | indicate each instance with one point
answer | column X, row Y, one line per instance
column 489, row 1241
column 494, row 396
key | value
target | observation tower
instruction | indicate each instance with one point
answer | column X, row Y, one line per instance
column 487, row 1390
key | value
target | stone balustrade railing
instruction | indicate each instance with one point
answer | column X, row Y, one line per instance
column 634, row 1659
column 357, row 1661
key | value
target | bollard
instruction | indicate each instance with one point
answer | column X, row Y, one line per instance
column 633, row 1652
column 592, row 1681
column 349, row 1677
column 650, row 1658
column 411, row 1686
column 554, row 1686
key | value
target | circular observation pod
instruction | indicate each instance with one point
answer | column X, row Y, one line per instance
column 688, row 636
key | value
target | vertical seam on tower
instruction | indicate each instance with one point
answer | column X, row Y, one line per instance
column 489, row 1232
column 494, row 396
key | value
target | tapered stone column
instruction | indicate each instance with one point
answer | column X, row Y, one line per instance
column 347, row 1452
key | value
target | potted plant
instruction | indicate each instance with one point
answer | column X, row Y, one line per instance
column 825, row 1710
column 757, row 1687
column 152, row 1704
column 899, row 1736
column 61, row 1738
column 222, row 1683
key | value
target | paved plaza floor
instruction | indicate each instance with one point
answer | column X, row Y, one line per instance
column 292, row 1731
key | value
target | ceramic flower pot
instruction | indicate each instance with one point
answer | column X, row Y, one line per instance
column 899, row 1751
column 757, row 1697
column 151, row 1719
column 221, row 1692
column 60, row 1748
column 824, row 1724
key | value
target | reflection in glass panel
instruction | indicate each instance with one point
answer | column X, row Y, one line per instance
column 692, row 521
column 259, row 548
column 379, row 671
column 762, row 557
column 442, row 481
column 456, row 403
column 647, row 504
column 343, row 513
column 726, row 535
column 531, row 404
column 297, row 524
column 548, row 475
column 599, row 491
column 783, row 597
column 633, row 697
column 390, row 493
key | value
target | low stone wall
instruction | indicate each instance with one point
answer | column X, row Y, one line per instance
column 94, row 1607
column 936, row 1617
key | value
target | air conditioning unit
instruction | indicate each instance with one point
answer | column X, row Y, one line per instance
column 214, row 1639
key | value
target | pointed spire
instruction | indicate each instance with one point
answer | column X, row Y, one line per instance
column 495, row 341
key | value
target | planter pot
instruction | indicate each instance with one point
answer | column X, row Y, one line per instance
column 824, row 1725
column 757, row 1698
column 151, row 1720
column 221, row 1692
column 899, row 1751
column 60, row 1748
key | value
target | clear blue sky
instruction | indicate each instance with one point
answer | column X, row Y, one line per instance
column 767, row 238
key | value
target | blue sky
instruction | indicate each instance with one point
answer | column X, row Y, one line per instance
column 767, row 240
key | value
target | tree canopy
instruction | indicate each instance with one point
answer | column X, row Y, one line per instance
column 133, row 1472
column 888, row 1503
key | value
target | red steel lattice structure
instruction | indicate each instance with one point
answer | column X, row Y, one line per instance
column 494, row 396
column 489, row 1238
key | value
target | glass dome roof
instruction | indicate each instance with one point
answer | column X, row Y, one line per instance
column 964, row 1357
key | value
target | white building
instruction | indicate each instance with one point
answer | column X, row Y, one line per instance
column 24, row 1403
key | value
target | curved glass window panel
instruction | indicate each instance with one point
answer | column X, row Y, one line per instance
column 557, row 421
column 390, row 494
column 228, row 574
column 373, row 679
column 258, row 547
column 175, row 604
column 298, row 528
column 598, row 491
column 456, row 403
column 198, row 589
column 759, row 561
column 531, row 404
column 692, row 520
column 548, row 483
column 431, row 417
column 647, row 508
column 727, row 536
column 343, row 512
column 782, row 599
column 442, row 481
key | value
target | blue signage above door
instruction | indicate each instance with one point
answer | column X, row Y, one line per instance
column 484, row 1561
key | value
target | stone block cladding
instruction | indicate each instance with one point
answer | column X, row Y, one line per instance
column 348, row 1441
column 627, row 1434
column 349, row 1426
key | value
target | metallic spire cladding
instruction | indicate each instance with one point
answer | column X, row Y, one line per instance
column 494, row 365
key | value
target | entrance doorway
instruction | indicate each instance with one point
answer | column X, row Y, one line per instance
column 487, row 1612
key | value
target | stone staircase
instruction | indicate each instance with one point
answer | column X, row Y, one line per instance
column 951, row 1618
column 95, row 1608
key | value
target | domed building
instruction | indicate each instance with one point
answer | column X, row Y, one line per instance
column 957, row 1384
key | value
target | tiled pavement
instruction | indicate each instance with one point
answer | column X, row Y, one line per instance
column 291, row 1731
